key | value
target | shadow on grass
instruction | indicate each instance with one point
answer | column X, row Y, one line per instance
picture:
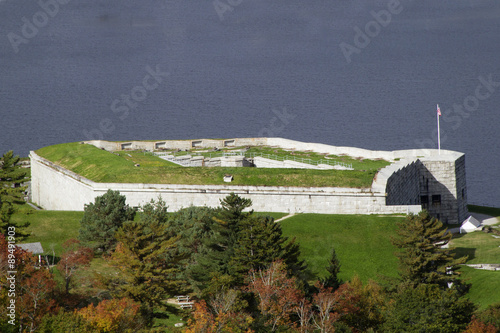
column 465, row 251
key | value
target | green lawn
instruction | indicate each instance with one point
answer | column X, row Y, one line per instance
column 51, row 228
column 102, row 166
column 485, row 288
column 362, row 243
column 481, row 248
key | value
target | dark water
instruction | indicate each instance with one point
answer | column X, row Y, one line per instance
column 226, row 76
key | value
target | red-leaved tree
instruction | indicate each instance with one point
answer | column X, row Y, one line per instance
column 277, row 294
column 75, row 256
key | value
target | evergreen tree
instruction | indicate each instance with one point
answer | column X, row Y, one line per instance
column 423, row 258
column 12, row 178
column 215, row 257
column 194, row 225
column 332, row 280
column 149, row 264
column 427, row 308
column 102, row 219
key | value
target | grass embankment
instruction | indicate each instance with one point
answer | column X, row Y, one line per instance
column 105, row 167
column 50, row 228
column 362, row 243
column 481, row 248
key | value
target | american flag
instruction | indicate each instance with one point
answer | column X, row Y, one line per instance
column 438, row 110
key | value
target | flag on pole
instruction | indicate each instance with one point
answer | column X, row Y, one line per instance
column 439, row 136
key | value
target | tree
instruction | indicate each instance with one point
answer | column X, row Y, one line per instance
column 102, row 219
column 332, row 280
column 148, row 262
column 427, row 308
column 65, row 322
column 277, row 294
column 33, row 288
column 477, row 326
column 114, row 315
column 423, row 258
column 194, row 226
column 238, row 242
column 74, row 257
column 325, row 303
column 259, row 242
column 12, row 178
column 220, row 314
column 214, row 257
column 491, row 315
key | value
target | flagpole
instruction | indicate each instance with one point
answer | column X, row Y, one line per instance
column 438, row 113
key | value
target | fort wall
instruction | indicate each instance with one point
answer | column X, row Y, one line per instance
column 398, row 188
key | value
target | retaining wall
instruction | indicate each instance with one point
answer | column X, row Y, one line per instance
column 398, row 188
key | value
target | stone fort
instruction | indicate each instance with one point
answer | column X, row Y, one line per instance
column 416, row 179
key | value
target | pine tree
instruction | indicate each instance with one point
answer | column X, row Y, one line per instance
column 102, row 219
column 423, row 258
column 332, row 280
column 219, row 247
column 12, row 178
column 149, row 264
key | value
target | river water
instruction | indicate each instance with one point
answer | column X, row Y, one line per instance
column 319, row 71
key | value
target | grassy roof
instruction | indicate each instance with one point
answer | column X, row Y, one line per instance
column 106, row 167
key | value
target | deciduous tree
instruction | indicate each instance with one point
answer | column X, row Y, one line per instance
column 33, row 287
column 74, row 257
column 220, row 314
column 277, row 294
column 477, row 326
column 114, row 315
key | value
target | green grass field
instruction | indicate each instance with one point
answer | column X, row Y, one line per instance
column 485, row 289
column 362, row 243
column 102, row 166
column 50, row 228
column 481, row 248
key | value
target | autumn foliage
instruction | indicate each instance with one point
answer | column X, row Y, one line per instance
column 34, row 287
column 114, row 315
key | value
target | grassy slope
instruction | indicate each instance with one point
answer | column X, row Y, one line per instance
column 480, row 247
column 51, row 228
column 361, row 242
column 485, row 288
column 88, row 161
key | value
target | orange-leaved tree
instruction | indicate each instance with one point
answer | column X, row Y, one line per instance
column 114, row 315
column 277, row 294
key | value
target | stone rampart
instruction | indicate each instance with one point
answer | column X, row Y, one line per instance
column 401, row 187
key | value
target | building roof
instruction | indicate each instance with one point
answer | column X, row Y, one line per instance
column 35, row 248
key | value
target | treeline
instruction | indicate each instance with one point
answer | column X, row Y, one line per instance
column 240, row 271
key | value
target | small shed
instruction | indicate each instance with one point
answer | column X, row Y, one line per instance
column 35, row 248
column 470, row 224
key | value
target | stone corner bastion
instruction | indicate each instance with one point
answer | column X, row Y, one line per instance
column 416, row 179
